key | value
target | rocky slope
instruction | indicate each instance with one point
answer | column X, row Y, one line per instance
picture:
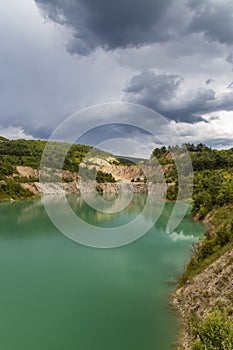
column 133, row 175
column 211, row 288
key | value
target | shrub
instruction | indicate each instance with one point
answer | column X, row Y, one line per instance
column 215, row 332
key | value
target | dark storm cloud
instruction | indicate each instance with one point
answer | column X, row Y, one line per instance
column 161, row 93
column 134, row 23
column 213, row 18
column 113, row 24
column 41, row 84
column 152, row 86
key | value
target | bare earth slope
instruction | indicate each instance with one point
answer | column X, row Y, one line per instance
column 211, row 288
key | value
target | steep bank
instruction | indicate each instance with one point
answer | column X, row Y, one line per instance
column 204, row 298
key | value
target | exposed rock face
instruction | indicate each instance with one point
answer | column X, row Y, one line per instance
column 73, row 183
column 122, row 172
column 31, row 186
column 210, row 288
column 78, row 187
column 56, row 188
column 135, row 187
column 27, row 171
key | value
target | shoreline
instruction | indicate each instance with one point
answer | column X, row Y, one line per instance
column 209, row 289
column 36, row 189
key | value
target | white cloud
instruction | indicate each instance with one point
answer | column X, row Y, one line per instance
column 216, row 133
column 13, row 132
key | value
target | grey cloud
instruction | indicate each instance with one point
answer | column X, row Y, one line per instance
column 149, row 86
column 161, row 93
column 114, row 24
column 134, row 23
column 213, row 18
column 208, row 81
column 223, row 102
column 41, row 83
column 220, row 143
column 229, row 59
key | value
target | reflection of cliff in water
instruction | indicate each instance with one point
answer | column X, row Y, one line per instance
column 28, row 218
column 98, row 217
column 25, row 214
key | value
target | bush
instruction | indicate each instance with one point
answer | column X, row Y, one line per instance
column 215, row 332
column 104, row 177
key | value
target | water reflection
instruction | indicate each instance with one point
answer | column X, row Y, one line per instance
column 86, row 297
column 26, row 214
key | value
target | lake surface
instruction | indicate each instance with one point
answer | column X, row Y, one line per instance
column 56, row 294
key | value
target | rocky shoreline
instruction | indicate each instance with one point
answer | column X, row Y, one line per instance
column 79, row 187
column 209, row 290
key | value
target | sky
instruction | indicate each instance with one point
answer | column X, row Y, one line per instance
column 175, row 57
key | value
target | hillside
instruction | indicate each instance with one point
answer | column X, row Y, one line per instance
column 213, row 170
column 20, row 163
column 204, row 295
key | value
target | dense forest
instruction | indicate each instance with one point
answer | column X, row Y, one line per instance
column 213, row 175
column 22, row 152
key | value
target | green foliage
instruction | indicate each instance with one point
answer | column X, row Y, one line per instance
column 29, row 152
column 104, row 177
column 3, row 138
column 207, row 158
column 127, row 160
column 91, row 174
column 5, row 169
column 215, row 243
column 162, row 155
column 158, row 152
column 211, row 188
column 172, row 192
column 213, row 174
column 20, row 152
column 11, row 189
column 215, row 332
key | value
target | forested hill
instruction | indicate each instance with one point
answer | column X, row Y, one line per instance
column 204, row 297
column 213, row 176
column 27, row 153
column 213, row 169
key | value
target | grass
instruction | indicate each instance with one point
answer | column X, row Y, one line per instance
column 218, row 241
column 214, row 332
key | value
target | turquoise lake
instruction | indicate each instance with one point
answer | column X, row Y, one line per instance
column 56, row 294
